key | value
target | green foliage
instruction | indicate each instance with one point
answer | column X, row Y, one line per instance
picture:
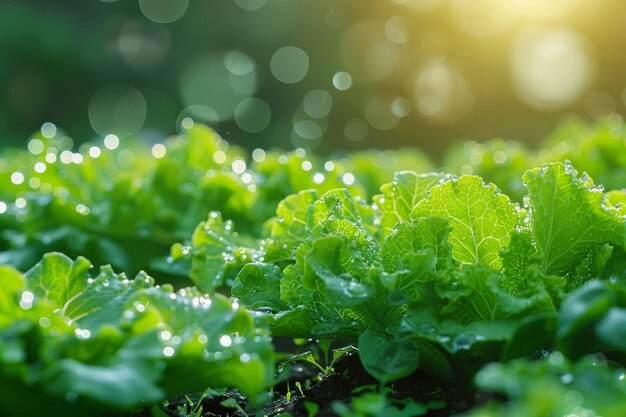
column 436, row 274
column 106, row 203
column 592, row 318
column 401, row 195
column 568, row 216
column 553, row 387
column 372, row 404
column 481, row 218
column 103, row 342
column 385, row 358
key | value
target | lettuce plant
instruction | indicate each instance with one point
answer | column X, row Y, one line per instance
column 101, row 342
column 462, row 270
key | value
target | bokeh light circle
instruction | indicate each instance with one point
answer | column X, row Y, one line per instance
column 401, row 106
column 308, row 129
column 551, row 69
column 251, row 5
column 48, row 130
column 379, row 114
column 199, row 113
column 317, row 103
column 366, row 52
column 482, row 18
column 356, row 129
column 442, row 93
column 118, row 109
column 253, row 115
column 599, row 106
column 141, row 48
column 289, row 64
column 238, row 63
column 342, row 81
column 396, row 30
column 163, row 11
column 419, row 5
column 208, row 82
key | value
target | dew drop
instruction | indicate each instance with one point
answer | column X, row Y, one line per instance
column 462, row 342
column 45, row 322
column 168, row 351
column 226, row 341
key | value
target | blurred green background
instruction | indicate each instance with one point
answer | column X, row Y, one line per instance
column 317, row 74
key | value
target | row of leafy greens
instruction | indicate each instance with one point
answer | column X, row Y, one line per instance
column 443, row 274
column 109, row 198
column 453, row 236
column 106, row 198
column 431, row 272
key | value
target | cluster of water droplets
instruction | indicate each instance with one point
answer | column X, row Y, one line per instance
column 51, row 171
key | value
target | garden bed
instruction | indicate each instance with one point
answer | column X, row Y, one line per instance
column 498, row 292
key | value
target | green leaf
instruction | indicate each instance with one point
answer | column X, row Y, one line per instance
column 406, row 284
column 517, row 258
column 612, row 328
column 591, row 266
column 481, row 218
column 218, row 253
column 534, row 332
column 475, row 294
column 65, row 285
column 598, row 149
column 386, row 358
column 206, row 335
column 568, row 217
column 454, row 335
column 324, row 259
column 293, row 221
column 410, row 237
column 57, row 279
column 401, row 195
column 616, row 200
column 499, row 161
column 328, row 259
column 12, row 283
column 292, row 323
column 580, row 313
column 258, row 285
column 126, row 384
column 335, row 205
column 338, row 212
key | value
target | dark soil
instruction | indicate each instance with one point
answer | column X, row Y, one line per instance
column 323, row 391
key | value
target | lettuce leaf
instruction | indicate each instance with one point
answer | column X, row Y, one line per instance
column 568, row 217
column 481, row 218
column 400, row 196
